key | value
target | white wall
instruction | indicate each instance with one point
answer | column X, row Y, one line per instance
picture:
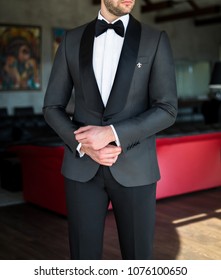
column 188, row 41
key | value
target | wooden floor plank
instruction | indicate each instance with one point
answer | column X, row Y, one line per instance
column 188, row 227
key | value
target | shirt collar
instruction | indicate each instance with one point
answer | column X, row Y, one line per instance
column 124, row 19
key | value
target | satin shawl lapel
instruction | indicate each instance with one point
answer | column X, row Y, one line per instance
column 125, row 70
column 90, row 88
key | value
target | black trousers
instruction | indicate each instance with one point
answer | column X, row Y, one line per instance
column 134, row 210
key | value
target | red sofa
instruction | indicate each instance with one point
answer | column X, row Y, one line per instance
column 43, row 183
column 187, row 164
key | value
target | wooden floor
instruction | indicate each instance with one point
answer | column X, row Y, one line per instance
column 188, row 227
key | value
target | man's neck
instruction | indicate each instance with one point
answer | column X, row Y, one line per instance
column 124, row 19
column 108, row 16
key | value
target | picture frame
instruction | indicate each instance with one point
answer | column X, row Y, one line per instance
column 20, row 57
column 57, row 35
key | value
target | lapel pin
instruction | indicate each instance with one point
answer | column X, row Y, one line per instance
column 139, row 65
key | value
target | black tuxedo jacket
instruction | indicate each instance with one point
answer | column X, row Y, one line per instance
column 142, row 102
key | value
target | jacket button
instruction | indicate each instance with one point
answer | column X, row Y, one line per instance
column 105, row 119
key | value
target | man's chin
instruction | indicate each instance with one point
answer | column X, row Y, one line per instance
column 126, row 9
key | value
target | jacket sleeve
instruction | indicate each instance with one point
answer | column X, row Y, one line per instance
column 163, row 98
column 57, row 96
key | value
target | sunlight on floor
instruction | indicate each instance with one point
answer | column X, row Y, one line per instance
column 200, row 236
column 192, row 218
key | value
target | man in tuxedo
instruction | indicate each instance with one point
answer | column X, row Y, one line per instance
column 121, row 74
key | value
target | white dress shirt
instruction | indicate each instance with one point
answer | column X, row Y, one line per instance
column 106, row 55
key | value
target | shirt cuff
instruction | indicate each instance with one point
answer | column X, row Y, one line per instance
column 81, row 154
column 117, row 141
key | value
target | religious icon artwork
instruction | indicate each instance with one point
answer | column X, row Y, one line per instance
column 20, row 58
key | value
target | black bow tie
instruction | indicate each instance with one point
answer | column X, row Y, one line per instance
column 102, row 26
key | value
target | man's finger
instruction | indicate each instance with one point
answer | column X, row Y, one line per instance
column 112, row 149
column 109, row 162
column 82, row 129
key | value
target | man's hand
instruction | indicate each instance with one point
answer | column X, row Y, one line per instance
column 106, row 156
column 95, row 137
